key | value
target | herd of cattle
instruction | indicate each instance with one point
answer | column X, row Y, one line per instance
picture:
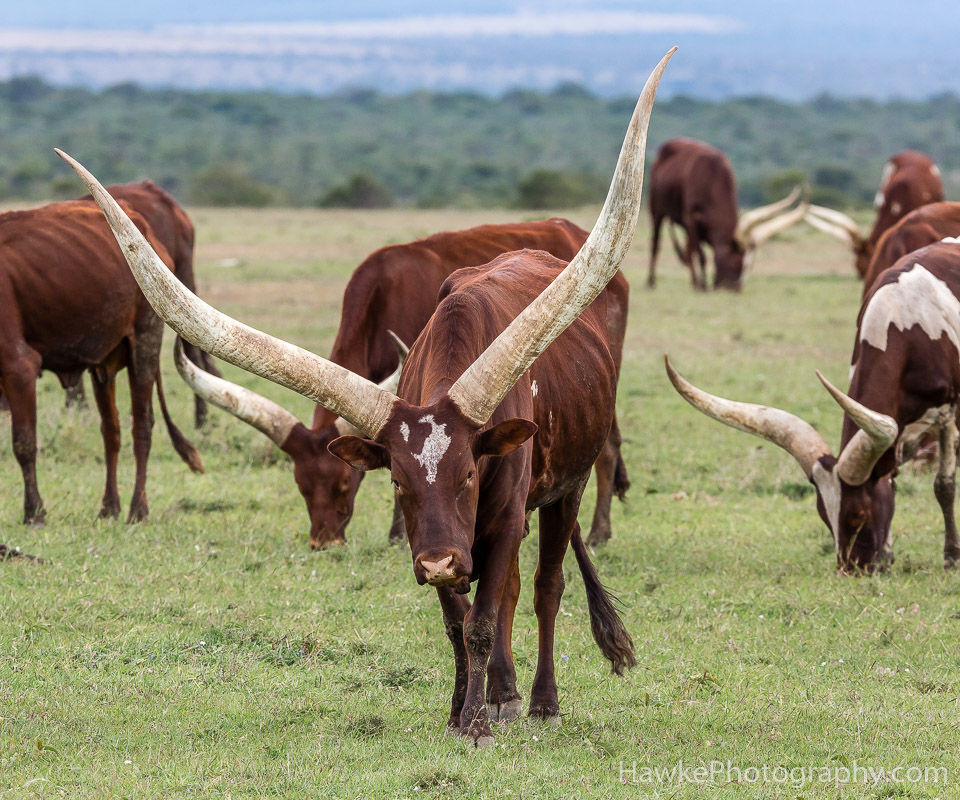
column 476, row 421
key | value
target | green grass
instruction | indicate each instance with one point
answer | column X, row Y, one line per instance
column 208, row 652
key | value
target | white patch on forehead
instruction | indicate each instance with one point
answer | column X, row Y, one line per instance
column 828, row 486
column 534, row 388
column 878, row 200
column 434, row 446
column 917, row 298
column 405, row 431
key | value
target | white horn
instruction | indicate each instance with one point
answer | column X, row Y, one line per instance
column 479, row 390
column 345, row 393
column 756, row 215
column 790, row 432
column 836, row 224
column 762, row 231
column 254, row 409
column 877, row 434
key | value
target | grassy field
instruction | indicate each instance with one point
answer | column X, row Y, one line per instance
column 208, row 652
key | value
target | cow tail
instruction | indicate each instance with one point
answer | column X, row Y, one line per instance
column 608, row 630
column 621, row 481
column 184, row 448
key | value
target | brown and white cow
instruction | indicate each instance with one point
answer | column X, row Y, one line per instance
column 904, row 385
column 68, row 304
column 394, row 292
column 457, row 439
column 910, row 180
column 922, row 226
column 692, row 185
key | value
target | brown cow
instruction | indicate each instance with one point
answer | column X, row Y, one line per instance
column 905, row 385
column 910, row 180
column 692, row 185
column 395, row 290
column 456, row 439
column 172, row 226
column 922, row 226
column 69, row 304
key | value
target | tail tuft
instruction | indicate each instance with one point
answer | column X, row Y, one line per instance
column 181, row 444
column 608, row 630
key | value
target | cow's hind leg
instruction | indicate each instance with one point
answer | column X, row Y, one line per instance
column 557, row 523
column 503, row 699
column 611, row 479
column 104, row 392
column 945, row 489
column 654, row 249
column 20, row 372
column 144, row 365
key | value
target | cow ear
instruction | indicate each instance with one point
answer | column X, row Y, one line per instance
column 361, row 454
column 504, row 437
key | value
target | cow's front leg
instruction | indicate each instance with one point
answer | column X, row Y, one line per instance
column 455, row 607
column 945, row 489
column 479, row 633
column 503, row 699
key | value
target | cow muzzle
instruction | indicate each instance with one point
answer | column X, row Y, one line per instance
column 444, row 569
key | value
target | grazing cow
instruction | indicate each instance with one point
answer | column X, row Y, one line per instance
column 395, row 290
column 910, row 180
column 904, row 386
column 922, row 226
column 692, row 185
column 69, row 304
column 456, row 440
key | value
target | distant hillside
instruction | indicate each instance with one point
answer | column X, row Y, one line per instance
column 362, row 148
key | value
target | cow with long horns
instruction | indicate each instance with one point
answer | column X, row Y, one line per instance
column 904, row 386
column 909, row 180
column 457, row 439
column 692, row 185
column 391, row 295
column 68, row 304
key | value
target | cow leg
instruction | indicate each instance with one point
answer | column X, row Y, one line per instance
column 20, row 388
column 144, row 364
column 611, row 479
column 398, row 530
column 693, row 249
column 503, row 699
column 945, row 489
column 455, row 607
column 104, row 392
column 557, row 523
column 654, row 249
column 480, row 626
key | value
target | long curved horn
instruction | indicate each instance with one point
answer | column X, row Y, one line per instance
column 356, row 399
column 388, row 384
column 877, row 434
column 754, row 216
column 782, row 428
column 762, row 231
column 263, row 414
column 479, row 390
column 836, row 223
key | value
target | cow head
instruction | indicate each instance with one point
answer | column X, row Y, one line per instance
column 432, row 450
column 327, row 485
column 854, row 490
column 432, row 453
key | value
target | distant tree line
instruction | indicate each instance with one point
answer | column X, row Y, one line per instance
column 364, row 149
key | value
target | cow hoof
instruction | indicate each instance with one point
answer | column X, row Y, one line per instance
column 598, row 536
column 546, row 714
column 35, row 522
column 483, row 742
column 504, row 712
column 951, row 562
column 109, row 512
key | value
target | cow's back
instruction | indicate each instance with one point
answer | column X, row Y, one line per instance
column 396, row 287
column 690, row 177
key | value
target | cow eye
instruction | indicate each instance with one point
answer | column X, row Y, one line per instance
column 396, row 487
column 466, row 483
